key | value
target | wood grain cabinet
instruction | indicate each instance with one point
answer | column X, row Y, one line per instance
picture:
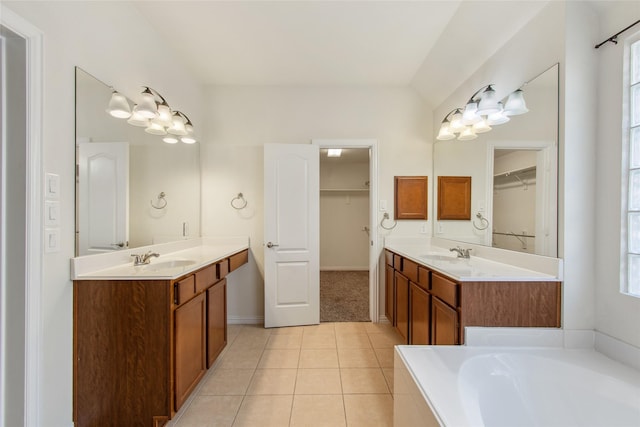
column 142, row 346
column 431, row 308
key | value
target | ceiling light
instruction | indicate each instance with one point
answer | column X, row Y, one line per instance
column 147, row 107
column 467, row 134
column 188, row 139
column 119, row 106
column 470, row 115
column 334, row 152
column 155, row 129
column 170, row 139
column 445, row 132
column 481, row 127
column 138, row 120
column 488, row 102
column 456, row 124
column 178, row 126
column 497, row 118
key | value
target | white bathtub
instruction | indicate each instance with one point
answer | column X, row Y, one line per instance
column 512, row 387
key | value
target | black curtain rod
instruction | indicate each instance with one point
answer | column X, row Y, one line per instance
column 614, row 38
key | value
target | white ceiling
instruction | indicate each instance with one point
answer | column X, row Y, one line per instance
column 430, row 45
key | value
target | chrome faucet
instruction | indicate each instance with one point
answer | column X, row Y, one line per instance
column 462, row 253
column 143, row 259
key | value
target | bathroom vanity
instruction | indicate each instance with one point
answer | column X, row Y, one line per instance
column 145, row 335
column 431, row 295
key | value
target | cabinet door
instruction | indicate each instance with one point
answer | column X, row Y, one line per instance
column 190, row 347
column 402, row 305
column 389, row 295
column 216, row 320
column 420, row 315
column 444, row 323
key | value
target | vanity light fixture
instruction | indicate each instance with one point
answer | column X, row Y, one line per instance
column 154, row 114
column 481, row 111
column 334, row 152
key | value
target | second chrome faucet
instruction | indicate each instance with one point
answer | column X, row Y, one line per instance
column 462, row 253
column 143, row 259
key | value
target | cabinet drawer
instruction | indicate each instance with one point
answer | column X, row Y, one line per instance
column 389, row 257
column 424, row 278
column 205, row 278
column 238, row 260
column 444, row 289
column 410, row 269
column 222, row 268
column 184, row 290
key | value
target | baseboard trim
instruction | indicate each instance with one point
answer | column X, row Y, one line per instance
column 383, row 319
column 241, row 320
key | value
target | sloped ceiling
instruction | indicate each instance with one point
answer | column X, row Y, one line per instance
column 430, row 45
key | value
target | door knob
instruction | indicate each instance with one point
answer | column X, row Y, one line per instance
column 271, row 245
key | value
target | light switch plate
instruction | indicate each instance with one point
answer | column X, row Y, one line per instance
column 51, row 213
column 52, row 186
column 51, row 240
column 383, row 205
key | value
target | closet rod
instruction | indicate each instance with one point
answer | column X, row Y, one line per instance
column 614, row 38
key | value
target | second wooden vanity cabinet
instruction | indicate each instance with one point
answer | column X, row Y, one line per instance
column 142, row 346
column 430, row 308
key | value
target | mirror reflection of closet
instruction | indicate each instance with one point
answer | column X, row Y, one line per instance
column 514, row 200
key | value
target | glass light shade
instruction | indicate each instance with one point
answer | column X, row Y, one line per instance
column 189, row 127
column 170, row 139
column 481, row 127
column 470, row 115
column 165, row 115
column 155, row 129
column 515, row 104
column 178, row 126
column 138, row 120
column 497, row 118
column 147, row 107
column 119, row 106
column 488, row 102
column 467, row 134
column 456, row 124
column 445, row 133
column 188, row 139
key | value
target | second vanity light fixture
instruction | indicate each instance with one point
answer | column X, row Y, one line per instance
column 154, row 114
column 482, row 111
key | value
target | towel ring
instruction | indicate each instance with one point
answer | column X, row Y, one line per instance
column 484, row 222
column 235, row 205
column 386, row 216
column 161, row 203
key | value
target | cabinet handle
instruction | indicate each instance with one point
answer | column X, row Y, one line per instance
column 175, row 293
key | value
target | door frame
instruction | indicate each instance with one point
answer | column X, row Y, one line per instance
column 34, row 220
column 372, row 145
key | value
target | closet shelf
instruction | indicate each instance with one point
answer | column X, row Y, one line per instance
column 345, row 189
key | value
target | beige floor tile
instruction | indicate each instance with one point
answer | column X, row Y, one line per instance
column 385, row 340
column 294, row 330
column 249, row 342
column 350, row 327
column 385, row 357
column 363, row 381
column 318, row 358
column 379, row 328
column 357, row 358
column 284, row 342
column 211, row 411
column 233, row 331
column 239, row 359
column 317, row 411
column 278, row 358
column 264, row 411
column 318, row 341
column 388, row 375
column 272, row 381
column 322, row 328
column 318, row 381
column 366, row 410
column 353, row 340
column 227, row 382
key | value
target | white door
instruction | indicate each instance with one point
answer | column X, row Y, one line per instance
column 292, row 241
column 103, row 197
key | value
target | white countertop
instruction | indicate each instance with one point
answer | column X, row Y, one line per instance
column 474, row 269
column 176, row 259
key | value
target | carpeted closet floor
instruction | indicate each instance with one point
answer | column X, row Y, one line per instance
column 344, row 296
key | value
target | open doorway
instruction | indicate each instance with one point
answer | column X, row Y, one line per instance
column 344, row 234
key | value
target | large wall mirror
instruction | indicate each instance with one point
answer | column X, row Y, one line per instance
column 132, row 189
column 514, row 177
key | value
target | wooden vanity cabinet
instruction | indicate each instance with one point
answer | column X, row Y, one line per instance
column 142, row 346
column 389, row 292
column 431, row 308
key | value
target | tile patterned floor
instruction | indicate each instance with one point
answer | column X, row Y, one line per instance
column 332, row 374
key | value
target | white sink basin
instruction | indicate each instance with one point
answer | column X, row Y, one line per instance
column 439, row 256
column 164, row 265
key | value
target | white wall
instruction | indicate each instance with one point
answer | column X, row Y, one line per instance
column 242, row 119
column 616, row 314
column 82, row 33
